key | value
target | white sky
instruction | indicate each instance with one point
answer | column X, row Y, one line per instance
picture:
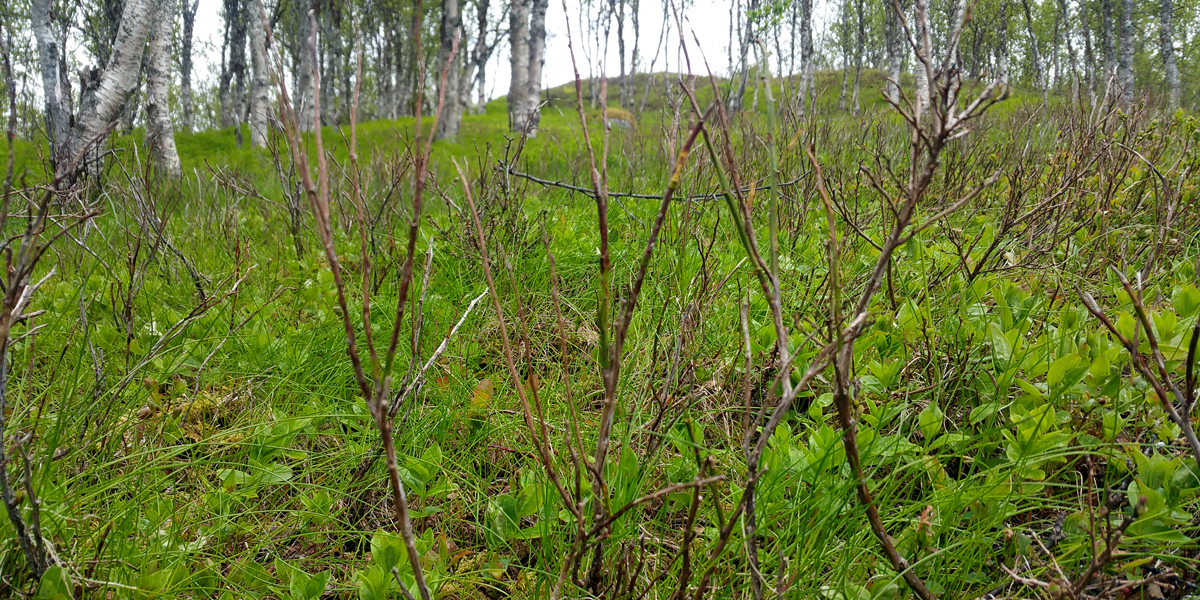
column 709, row 19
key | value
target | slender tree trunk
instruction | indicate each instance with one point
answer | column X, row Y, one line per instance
column 894, row 52
column 115, row 84
column 844, row 40
column 226, row 76
column 56, row 90
column 1074, row 87
column 1089, row 59
column 1109, row 47
column 807, row 93
column 237, row 64
column 618, row 8
column 1002, row 47
column 518, row 36
column 920, row 75
column 859, row 43
column 1039, row 81
column 260, row 81
column 185, row 63
column 452, row 111
column 160, row 134
column 633, row 57
column 747, row 37
column 303, row 77
column 1125, row 68
column 537, row 60
column 1166, row 45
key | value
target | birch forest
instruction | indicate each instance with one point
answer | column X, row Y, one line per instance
column 603, row 299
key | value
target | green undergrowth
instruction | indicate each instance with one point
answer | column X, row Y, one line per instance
column 196, row 426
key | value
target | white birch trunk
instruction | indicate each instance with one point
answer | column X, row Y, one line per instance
column 920, row 73
column 160, row 134
column 55, row 89
column 260, row 79
column 452, row 110
column 894, row 56
column 1125, row 67
column 537, row 60
column 1166, row 44
column 518, row 40
column 118, row 81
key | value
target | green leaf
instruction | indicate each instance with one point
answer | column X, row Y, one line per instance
column 1064, row 373
column 1001, row 348
column 931, row 421
column 54, row 585
column 388, row 551
column 1186, row 300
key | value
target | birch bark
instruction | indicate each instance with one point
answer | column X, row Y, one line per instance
column 452, row 110
column 160, row 133
column 1125, row 67
column 260, row 79
column 1166, row 45
column 518, row 35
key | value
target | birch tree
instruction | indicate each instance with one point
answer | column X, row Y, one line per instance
column 185, row 63
column 894, row 45
column 112, row 88
column 1166, row 48
column 452, row 110
column 160, row 134
column 260, row 79
column 518, row 42
column 527, row 40
column 1125, row 67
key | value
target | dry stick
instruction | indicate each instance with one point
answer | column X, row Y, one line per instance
column 1140, row 364
column 562, row 343
column 360, row 210
column 635, row 196
column 415, row 385
column 376, row 394
column 539, row 442
column 841, row 367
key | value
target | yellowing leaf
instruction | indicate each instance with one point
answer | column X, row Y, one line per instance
column 481, row 397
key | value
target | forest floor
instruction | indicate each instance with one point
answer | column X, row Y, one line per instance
column 194, row 426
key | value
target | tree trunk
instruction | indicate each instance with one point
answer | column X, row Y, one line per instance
column 1076, row 92
column 1002, row 47
column 618, row 8
column 1125, row 69
column 920, row 74
column 633, row 58
column 452, row 109
column 1108, row 45
column 807, row 93
column 237, row 64
column 1035, row 57
column 1166, row 45
column 844, row 39
column 226, row 76
column 115, row 84
column 746, row 38
column 260, row 79
column 185, row 63
column 518, row 36
column 859, row 43
column 537, row 60
column 160, row 134
column 894, row 52
column 303, row 78
column 55, row 88
column 1089, row 60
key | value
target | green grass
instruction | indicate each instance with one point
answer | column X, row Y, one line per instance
column 233, row 445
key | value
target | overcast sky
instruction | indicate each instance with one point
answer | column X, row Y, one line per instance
column 708, row 19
